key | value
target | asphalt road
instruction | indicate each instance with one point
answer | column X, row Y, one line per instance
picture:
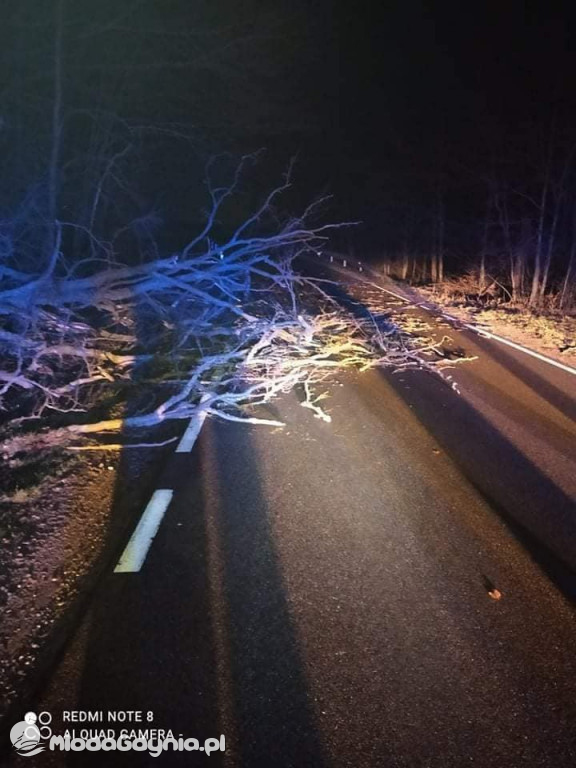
column 323, row 595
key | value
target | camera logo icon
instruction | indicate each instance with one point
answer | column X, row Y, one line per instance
column 27, row 735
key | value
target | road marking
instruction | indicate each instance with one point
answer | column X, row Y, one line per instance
column 193, row 430
column 480, row 331
column 526, row 350
column 137, row 548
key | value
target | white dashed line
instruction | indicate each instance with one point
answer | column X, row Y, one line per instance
column 137, row 548
column 192, row 431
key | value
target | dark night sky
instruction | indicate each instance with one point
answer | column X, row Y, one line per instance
column 376, row 97
column 416, row 75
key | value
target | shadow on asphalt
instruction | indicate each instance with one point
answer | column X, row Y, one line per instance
column 149, row 643
column 202, row 637
column 562, row 401
column 272, row 711
column 536, row 511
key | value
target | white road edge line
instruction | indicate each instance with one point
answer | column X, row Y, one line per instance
column 484, row 333
column 137, row 548
column 537, row 355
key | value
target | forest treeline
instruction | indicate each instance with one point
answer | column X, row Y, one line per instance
column 504, row 220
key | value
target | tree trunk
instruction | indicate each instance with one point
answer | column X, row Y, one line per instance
column 405, row 264
column 484, row 246
column 566, row 293
column 441, row 234
column 557, row 210
column 536, row 289
column 537, row 273
column 54, row 162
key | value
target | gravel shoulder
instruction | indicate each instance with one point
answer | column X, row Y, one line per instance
column 62, row 520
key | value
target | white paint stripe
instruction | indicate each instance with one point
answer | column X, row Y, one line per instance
column 137, row 548
column 193, row 430
column 486, row 334
column 526, row 350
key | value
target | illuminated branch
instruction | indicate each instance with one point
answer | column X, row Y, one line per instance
column 219, row 328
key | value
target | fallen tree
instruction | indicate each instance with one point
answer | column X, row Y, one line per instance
column 213, row 327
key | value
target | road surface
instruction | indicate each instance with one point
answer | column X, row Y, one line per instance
column 326, row 595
